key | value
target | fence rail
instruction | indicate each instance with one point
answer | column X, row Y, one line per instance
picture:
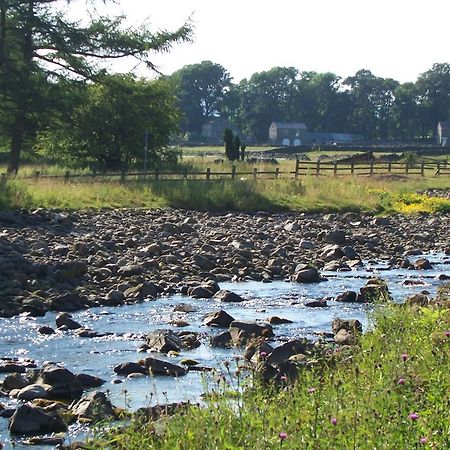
column 302, row 168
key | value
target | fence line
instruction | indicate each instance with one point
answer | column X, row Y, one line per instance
column 302, row 168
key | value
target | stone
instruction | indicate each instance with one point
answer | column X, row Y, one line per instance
column 221, row 340
column 200, row 292
column 15, row 381
column 421, row 300
column 310, row 275
column 351, row 325
column 34, row 420
column 69, row 302
column 203, row 262
column 130, row 270
column 317, row 304
column 220, row 319
column 275, row 320
column 95, row 407
column 375, row 290
column 115, row 298
column 334, row 237
column 227, row 297
column 285, row 351
column 307, row 245
column 159, row 367
column 63, row 383
column 422, row 264
column 347, row 296
column 33, row 391
column 46, row 330
column 130, row 367
column 65, row 319
column 242, row 332
column 163, row 341
column 344, row 337
column 89, row 381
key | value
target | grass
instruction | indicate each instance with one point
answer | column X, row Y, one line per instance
column 391, row 391
column 310, row 194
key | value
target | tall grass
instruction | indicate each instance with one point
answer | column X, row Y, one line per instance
column 389, row 392
column 305, row 194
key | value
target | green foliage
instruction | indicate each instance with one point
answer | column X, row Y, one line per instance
column 108, row 124
column 391, row 391
column 228, row 140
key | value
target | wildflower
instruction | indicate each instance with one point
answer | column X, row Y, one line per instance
column 423, row 440
column 401, row 381
column 282, row 435
column 333, row 421
column 311, row 390
column 263, row 354
column 447, row 333
column 404, row 356
column 283, row 378
column 413, row 416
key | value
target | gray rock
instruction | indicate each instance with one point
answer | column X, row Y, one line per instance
column 275, row 320
column 33, row 391
column 34, row 420
column 159, row 367
column 347, row 296
column 69, row 270
column 310, row 275
column 344, row 337
column 163, row 341
column 285, row 351
column 221, row 340
column 65, row 319
column 423, row 264
column 242, row 332
column 130, row 367
column 95, row 407
column 15, row 381
column 227, row 297
column 89, row 381
column 69, row 302
column 351, row 325
column 220, row 319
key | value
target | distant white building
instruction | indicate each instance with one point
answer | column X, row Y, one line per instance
column 443, row 134
column 288, row 133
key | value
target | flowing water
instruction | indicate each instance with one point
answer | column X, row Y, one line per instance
column 128, row 324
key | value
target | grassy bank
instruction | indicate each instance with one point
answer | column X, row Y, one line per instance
column 382, row 195
column 391, row 391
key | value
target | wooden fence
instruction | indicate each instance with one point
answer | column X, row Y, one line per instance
column 302, row 168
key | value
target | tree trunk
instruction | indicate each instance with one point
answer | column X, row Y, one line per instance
column 2, row 33
column 22, row 104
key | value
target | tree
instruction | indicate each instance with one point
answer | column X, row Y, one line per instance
column 228, row 139
column 236, row 147
column 201, row 89
column 108, row 125
column 36, row 37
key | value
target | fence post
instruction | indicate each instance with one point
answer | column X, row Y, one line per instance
column 407, row 167
column 233, row 172
column 66, row 176
column 371, row 167
column 318, row 168
column 156, row 174
column 277, row 173
column 37, row 174
column 352, row 168
column 255, row 171
column 438, row 169
column 422, row 169
column 389, row 166
column 208, row 173
column 185, row 174
column 297, row 167
column 335, row 168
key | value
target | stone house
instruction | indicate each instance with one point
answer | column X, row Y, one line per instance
column 288, row 133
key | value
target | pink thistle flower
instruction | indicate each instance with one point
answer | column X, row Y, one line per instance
column 423, row 440
column 283, row 378
column 401, row 381
column 282, row 435
column 413, row 416
column 333, row 421
column 263, row 354
column 447, row 333
column 404, row 356
column 311, row 390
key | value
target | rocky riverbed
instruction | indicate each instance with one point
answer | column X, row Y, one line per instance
column 85, row 289
column 65, row 262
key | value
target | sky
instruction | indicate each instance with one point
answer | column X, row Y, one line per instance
column 397, row 39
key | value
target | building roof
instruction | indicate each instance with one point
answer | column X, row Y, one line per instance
column 290, row 126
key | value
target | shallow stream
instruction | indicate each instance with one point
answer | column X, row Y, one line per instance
column 128, row 324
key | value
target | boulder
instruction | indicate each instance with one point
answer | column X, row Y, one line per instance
column 352, row 325
column 221, row 340
column 130, row 270
column 65, row 319
column 242, row 332
column 344, row 337
column 374, row 290
column 227, row 297
column 163, row 341
column 159, row 367
column 115, row 298
column 347, row 296
column 334, row 237
column 69, row 270
column 200, row 292
column 422, row 264
column 220, row 319
column 89, row 381
column 63, row 383
column 46, row 330
column 421, row 300
column 203, row 262
column 285, row 351
column 33, row 391
column 130, row 367
column 310, row 275
column 275, row 320
column 95, row 407
column 317, row 304
column 34, row 420
column 15, row 381
column 69, row 302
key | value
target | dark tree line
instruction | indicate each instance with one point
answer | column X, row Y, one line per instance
column 377, row 108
